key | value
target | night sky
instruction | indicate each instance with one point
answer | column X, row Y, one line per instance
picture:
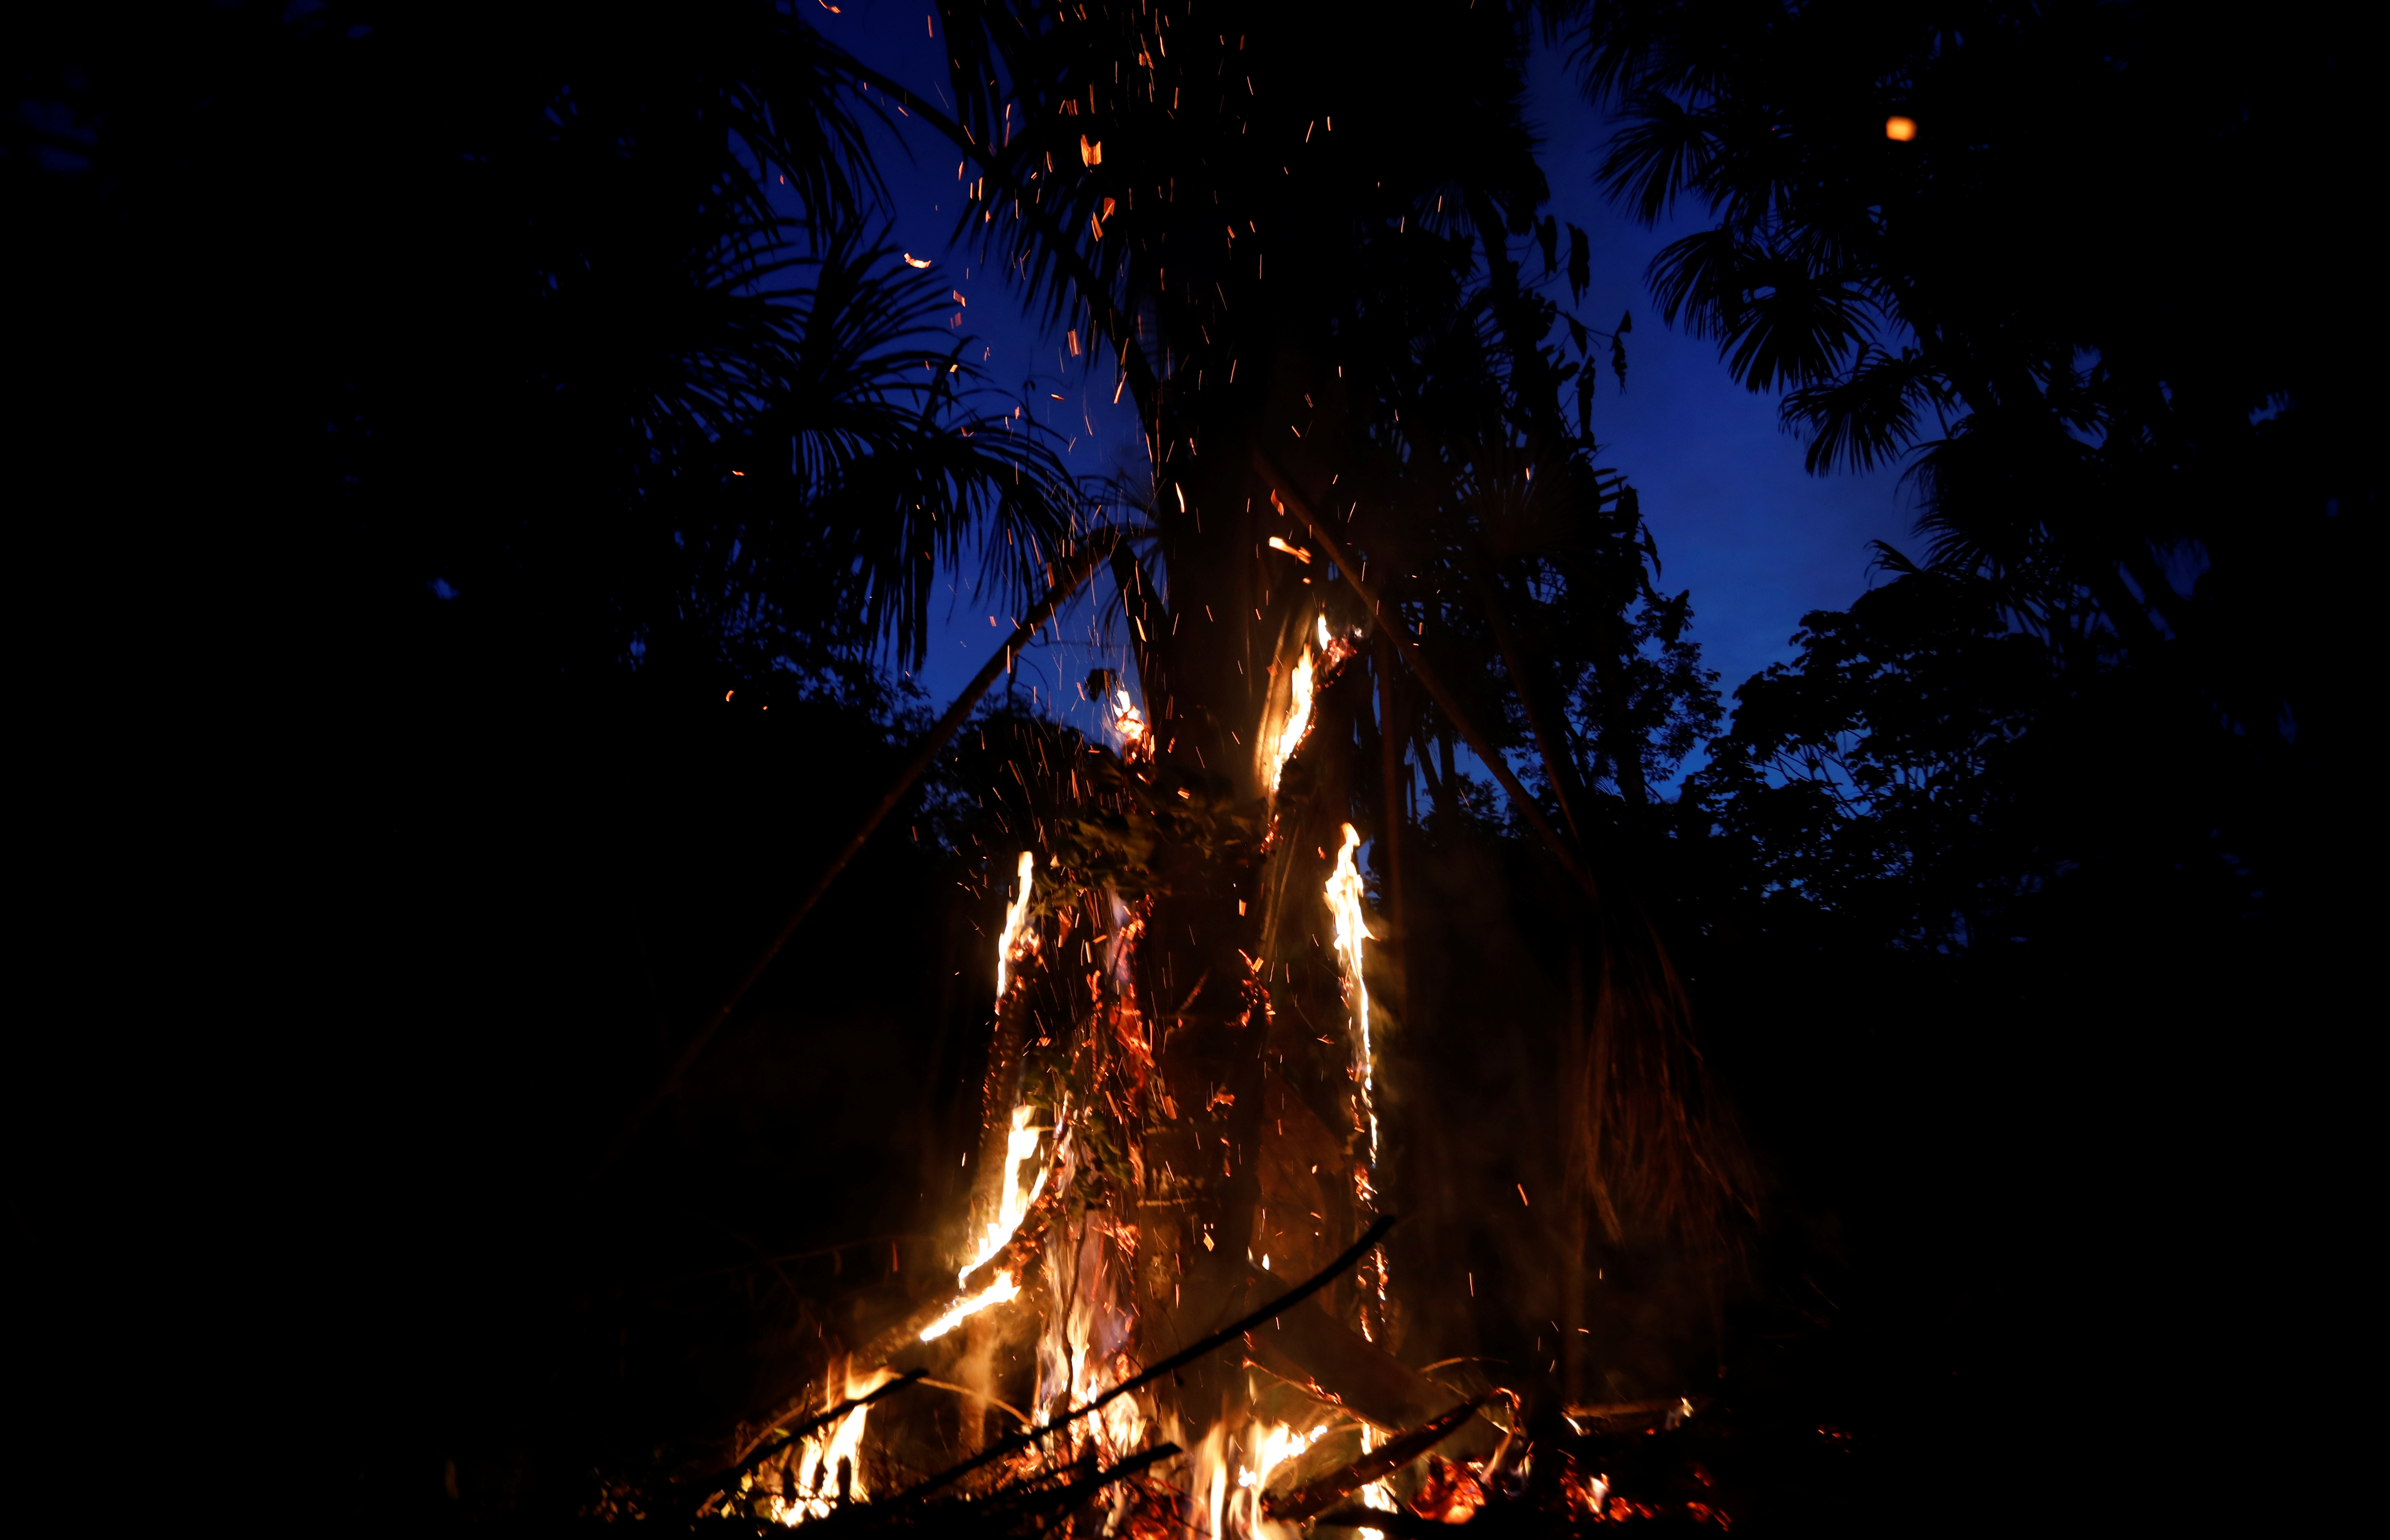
column 1757, row 540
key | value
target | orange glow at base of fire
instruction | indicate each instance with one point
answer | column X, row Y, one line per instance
column 1900, row 129
column 813, row 1471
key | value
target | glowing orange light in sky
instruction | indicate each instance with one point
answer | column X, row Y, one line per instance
column 1902, row 129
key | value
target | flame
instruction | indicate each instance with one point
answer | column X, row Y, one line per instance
column 1324, row 642
column 1137, row 741
column 1214, row 1456
column 1004, row 1289
column 1086, row 1347
column 1016, row 916
column 1344, row 904
column 1295, row 551
column 1020, row 1146
column 813, row 1471
column 1237, row 1472
column 1280, row 747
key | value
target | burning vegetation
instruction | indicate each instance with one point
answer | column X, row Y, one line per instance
column 1241, row 988
column 1278, row 1109
column 1177, row 1310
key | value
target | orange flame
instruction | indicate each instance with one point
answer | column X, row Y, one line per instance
column 1020, row 1146
column 1279, row 746
column 1136, row 739
column 816, row 1465
column 1016, row 916
column 1345, row 904
column 1235, row 1474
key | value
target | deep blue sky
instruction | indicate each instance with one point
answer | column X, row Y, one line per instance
column 1757, row 539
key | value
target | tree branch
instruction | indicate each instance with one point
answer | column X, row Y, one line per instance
column 1072, row 572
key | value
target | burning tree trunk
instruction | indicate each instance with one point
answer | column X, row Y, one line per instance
column 1182, row 1095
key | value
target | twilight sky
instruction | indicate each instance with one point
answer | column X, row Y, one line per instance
column 1757, row 539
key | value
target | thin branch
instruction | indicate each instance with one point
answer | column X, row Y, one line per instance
column 1067, row 578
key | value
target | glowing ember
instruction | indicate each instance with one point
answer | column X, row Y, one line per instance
column 1213, row 1456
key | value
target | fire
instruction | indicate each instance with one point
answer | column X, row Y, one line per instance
column 1271, row 1447
column 1020, row 1146
column 1280, row 747
column 1452, row 1494
column 1005, row 1289
column 1214, row 1457
column 1016, row 916
column 1128, row 722
column 1344, row 904
column 1376, row 1494
column 1236, row 1472
column 827, row 1467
